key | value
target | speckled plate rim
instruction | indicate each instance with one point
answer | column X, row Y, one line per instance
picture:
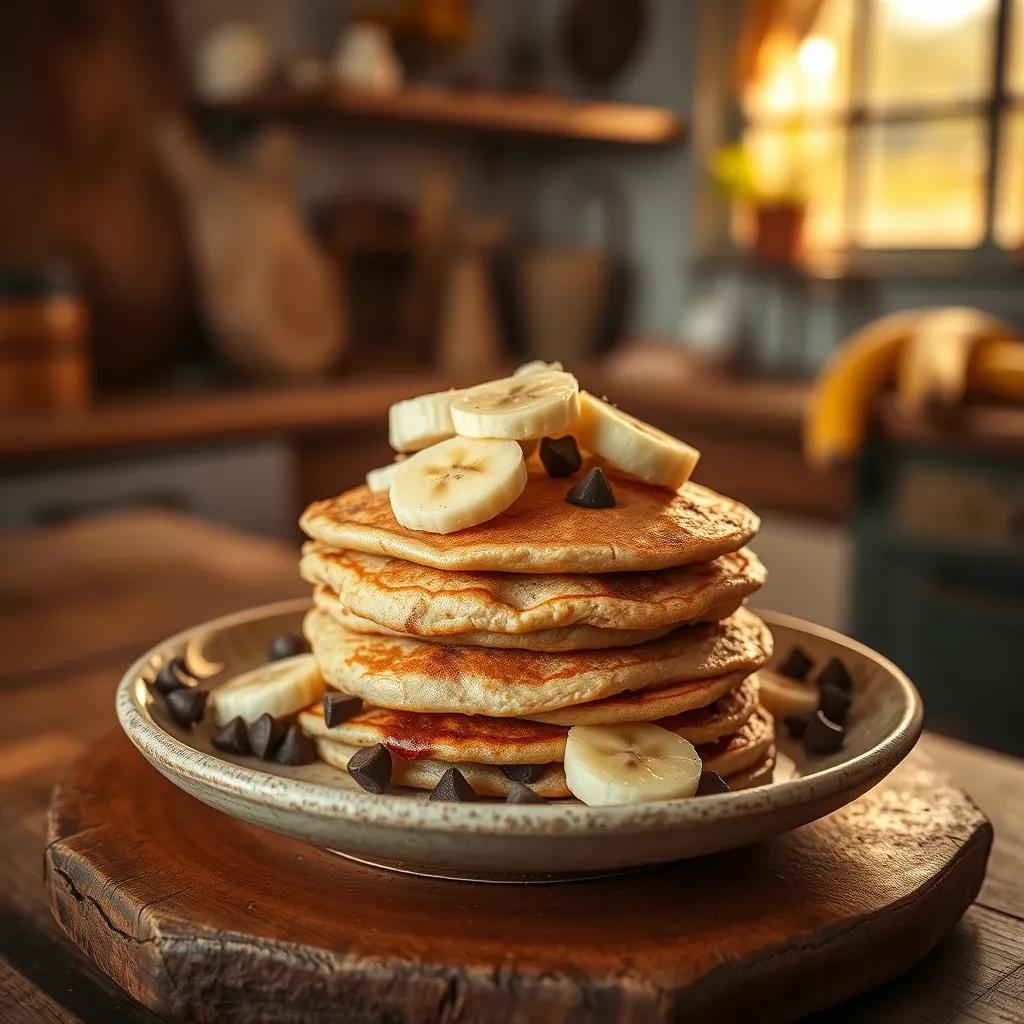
column 177, row 758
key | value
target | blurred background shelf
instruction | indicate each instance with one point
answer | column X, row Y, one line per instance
column 478, row 111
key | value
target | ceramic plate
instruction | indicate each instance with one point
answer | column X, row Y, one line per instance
column 323, row 806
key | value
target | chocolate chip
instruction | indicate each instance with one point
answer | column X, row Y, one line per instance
column 711, row 783
column 234, row 737
column 453, row 788
column 523, row 772
column 560, row 455
column 822, row 736
column 287, row 645
column 339, row 707
column 371, row 768
column 296, row 748
column 835, row 674
column 173, row 675
column 265, row 735
column 187, row 705
column 796, row 723
column 520, row 794
column 796, row 664
column 834, row 703
column 593, row 491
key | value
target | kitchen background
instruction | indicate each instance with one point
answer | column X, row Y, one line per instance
column 232, row 233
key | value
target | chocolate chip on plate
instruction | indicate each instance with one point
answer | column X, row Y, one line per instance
column 453, row 788
column 173, row 675
column 287, row 645
column 234, row 737
column 711, row 783
column 796, row 664
column 265, row 735
column 295, row 748
column 523, row 772
column 520, row 794
column 560, row 455
column 834, row 703
column 822, row 736
column 593, row 491
column 371, row 768
column 187, row 705
column 797, row 722
column 339, row 707
column 835, row 674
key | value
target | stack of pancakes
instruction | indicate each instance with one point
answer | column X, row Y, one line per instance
column 481, row 648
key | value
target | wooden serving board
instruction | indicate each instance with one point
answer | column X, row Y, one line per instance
column 198, row 915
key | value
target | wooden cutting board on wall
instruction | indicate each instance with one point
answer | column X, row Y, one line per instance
column 81, row 85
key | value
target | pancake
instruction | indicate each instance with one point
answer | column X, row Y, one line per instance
column 742, row 749
column 757, row 775
column 542, row 533
column 411, row 675
column 417, row 600
column 563, row 638
column 457, row 738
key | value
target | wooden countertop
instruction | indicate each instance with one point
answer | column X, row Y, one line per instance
column 81, row 601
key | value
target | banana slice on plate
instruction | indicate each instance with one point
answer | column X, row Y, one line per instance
column 633, row 445
column 536, row 366
column 417, row 423
column 457, row 484
column 784, row 696
column 379, row 480
column 529, row 406
column 629, row 764
column 277, row 689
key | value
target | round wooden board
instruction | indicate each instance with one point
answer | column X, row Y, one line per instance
column 201, row 916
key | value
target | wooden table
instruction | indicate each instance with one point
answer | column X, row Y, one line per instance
column 78, row 602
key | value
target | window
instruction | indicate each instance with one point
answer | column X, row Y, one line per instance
column 898, row 123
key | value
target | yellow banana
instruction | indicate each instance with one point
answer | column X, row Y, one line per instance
column 844, row 395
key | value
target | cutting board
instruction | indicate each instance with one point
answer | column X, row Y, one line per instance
column 200, row 916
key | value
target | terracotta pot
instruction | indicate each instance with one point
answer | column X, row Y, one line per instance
column 779, row 234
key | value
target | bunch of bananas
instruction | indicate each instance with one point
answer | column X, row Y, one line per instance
column 935, row 356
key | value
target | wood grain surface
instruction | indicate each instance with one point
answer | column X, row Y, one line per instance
column 60, row 698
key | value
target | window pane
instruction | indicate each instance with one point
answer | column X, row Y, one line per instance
column 802, row 165
column 811, row 74
column 930, row 51
column 1015, row 57
column 924, row 184
column 1009, row 219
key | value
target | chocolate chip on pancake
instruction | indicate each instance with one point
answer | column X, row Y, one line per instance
column 835, row 703
column 371, row 767
column 523, row 772
column 796, row 723
column 233, row 738
column 796, row 664
column 173, row 675
column 187, row 705
column 265, row 735
column 822, row 736
column 295, row 748
column 711, row 783
column 340, row 707
column 593, row 491
column 520, row 794
column 453, row 788
column 287, row 645
column 560, row 455
column 835, row 674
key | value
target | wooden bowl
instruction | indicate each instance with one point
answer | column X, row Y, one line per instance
column 402, row 830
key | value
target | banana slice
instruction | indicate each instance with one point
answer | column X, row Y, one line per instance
column 784, row 696
column 378, row 480
column 629, row 764
column 277, row 689
column 457, row 484
column 417, row 423
column 520, row 408
column 633, row 445
column 536, row 366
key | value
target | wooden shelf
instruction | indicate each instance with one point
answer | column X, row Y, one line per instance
column 478, row 111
